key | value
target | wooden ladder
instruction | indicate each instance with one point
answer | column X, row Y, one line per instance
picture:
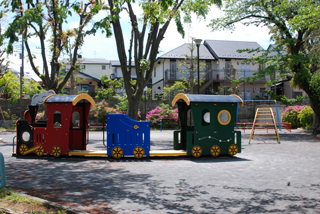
column 264, row 117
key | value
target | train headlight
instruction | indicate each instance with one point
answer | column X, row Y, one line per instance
column 25, row 136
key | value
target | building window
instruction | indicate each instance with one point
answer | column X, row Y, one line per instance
column 154, row 72
column 82, row 88
column 103, row 67
column 296, row 94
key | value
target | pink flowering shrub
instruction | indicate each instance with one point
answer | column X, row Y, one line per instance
column 40, row 116
column 165, row 113
column 290, row 115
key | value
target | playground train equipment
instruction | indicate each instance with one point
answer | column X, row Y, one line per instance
column 207, row 127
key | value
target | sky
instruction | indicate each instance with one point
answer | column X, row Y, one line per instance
column 100, row 47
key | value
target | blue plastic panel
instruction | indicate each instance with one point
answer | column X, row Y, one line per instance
column 2, row 172
column 127, row 133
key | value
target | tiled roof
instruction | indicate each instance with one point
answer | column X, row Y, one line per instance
column 181, row 51
column 228, row 49
column 117, row 63
column 93, row 61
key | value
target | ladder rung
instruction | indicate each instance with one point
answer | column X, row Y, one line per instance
column 264, row 136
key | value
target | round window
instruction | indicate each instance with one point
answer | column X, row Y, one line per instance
column 206, row 117
column 25, row 136
column 224, row 117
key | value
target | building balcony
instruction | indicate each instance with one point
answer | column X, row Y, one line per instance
column 210, row 75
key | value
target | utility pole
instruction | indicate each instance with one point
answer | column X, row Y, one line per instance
column 72, row 76
column 21, row 74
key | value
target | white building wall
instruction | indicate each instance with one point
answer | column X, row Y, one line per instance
column 96, row 70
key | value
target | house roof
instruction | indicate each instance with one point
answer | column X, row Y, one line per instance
column 118, row 64
column 228, row 49
column 88, row 61
column 89, row 76
column 182, row 50
column 93, row 61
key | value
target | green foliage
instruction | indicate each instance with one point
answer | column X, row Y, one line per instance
column 290, row 115
column 107, row 91
column 11, row 117
column 101, row 110
column 172, row 91
column 122, row 106
column 306, row 117
column 165, row 114
column 284, row 99
column 10, row 87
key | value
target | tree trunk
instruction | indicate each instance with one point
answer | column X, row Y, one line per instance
column 133, row 104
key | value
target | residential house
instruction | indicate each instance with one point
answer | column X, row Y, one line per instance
column 83, row 82
column 169, row 67
column 95, row 67
column 222, row 61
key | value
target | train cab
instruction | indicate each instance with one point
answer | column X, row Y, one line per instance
column 207, row 124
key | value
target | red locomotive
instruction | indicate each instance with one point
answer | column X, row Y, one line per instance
column 67, row 121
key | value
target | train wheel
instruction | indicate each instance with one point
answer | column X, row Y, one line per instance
column 23, row 148
column 215, row 150
column 40, row 151
column 233, row 149
column 117, row 152
column 56, row 151
column 196, row 151
column 138, row 152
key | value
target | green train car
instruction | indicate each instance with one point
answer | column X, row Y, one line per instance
column 207, row 124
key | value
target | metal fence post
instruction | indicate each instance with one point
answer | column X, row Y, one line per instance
column 2, row 172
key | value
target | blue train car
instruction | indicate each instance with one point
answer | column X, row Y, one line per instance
column 127, row 137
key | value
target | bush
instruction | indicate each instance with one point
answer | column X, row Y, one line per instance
column 290, row 115
column 101, row 110
column 165, row 113
column 306, row 117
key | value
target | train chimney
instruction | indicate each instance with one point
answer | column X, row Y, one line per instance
column 33, row 109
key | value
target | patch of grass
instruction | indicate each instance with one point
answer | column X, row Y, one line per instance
column 19, row 203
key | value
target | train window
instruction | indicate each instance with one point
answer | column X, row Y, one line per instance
column 224, row 117
column 190, row 118
column 76, row 119
column 57, row 119
column 205, row 117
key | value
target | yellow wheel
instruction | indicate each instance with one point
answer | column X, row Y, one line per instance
column 196, row 151
column 138, row 152
column 233, row 149
column 56, row 151
column 215, row 150
column 23, row 149
column 117, row 152
column 40, row 150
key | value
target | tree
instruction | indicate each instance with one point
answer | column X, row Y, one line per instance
column 236, row 82
column 9, row 84
column 47, row 20
column 146, row 36
column 291, row 23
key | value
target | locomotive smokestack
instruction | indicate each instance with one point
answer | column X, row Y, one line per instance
column 33, row 109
